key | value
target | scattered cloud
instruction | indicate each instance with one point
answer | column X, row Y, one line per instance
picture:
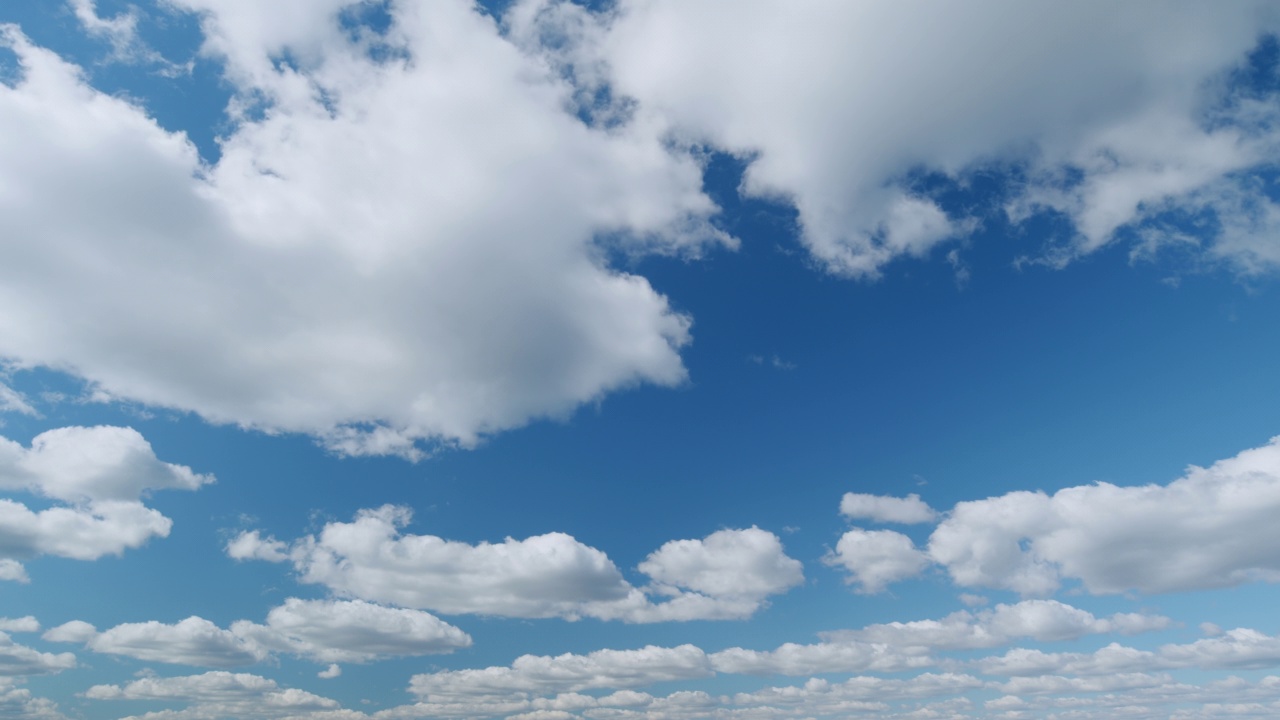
column 909, row 510
column 727, row 575
column 100, row 474
column 877, row 558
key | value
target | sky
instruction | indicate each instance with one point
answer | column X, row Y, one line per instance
column 670, row 359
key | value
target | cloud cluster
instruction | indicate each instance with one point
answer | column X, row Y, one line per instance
column 1213, row 527
column 727, row 575
column 1210, row 528
column 1100, row 106
column 327, row 631
column 379, row 255
column 98, row 476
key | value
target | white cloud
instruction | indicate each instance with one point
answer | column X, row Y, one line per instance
column 380, row 257
column 568, row 673
column 87, row 464
column 1108, row 92
column 251, row 545
column 17, row 703
column 217, row 694
column 1211, row 528
column 19, row 660
column 729, row 563
column 351, row 631
column 194, row 641
column 727, row 575
column 27, row 624
column 100, row 473
column 1042, row 620
column 74, row 631
column 13, row 401
column 879, row 508
column 876, row 558
column 327, row 631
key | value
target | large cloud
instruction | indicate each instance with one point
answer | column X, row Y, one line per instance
column 99, row 476
column 1100, row 105
column 727, row 575
column 1214, row 527
column 387, row 249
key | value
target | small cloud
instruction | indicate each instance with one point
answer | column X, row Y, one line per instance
column 334, row 671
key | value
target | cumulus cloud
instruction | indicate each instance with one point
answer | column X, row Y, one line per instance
column 19, row 660
column 217, row 694
column 879, row 508
column 568, row 673
column 378, row 257
column 728, row 563
column 74, row 631
column 727, row 575
column 876, row 558
column 193, row 641
column 27, row 624
column 1101, row 107
column 351, row 631
column 100, row 475
column 1213, row 527
column 1042, row 620
column 327, row 631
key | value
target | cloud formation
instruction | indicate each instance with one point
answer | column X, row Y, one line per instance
column 727, row 575
column 98, row 475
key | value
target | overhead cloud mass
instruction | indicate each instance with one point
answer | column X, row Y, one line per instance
column 378, row 257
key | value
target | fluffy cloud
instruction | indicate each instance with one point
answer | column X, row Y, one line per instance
column 1043, row 620
column 879, row 508
column 217, row 694
column 728, row 563
column 27, row 624
column 727, row 575
column 876, row 558
column 100, row 473
column 379, row 256
column 1214, row 527
column 568, row 673
column 194, row 641
column 322, row 630
column 351, row 631
column 13, row 401
column 1101, row 105
column 18, row 660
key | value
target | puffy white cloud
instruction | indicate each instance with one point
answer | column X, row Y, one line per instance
column 100, row 473
column 880, row 508
column 194, row 641
column 843, row 656
column 1102, row 104
column 378, row 257
column 1211, row 528
column 568, row 673
column 727, row 563
column 74, row 631
column 351, row 631
column 876, row 558
column 1043, row 620
column 88, row 464
column 328, row 631
column 217, row 694
column 727, row 575
column 17, row 703
column 19, row 660
column 27, row 624
column 251, row 545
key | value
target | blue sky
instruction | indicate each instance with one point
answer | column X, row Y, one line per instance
column 638, row 360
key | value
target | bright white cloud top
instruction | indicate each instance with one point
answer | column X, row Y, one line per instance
column 418, row 283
